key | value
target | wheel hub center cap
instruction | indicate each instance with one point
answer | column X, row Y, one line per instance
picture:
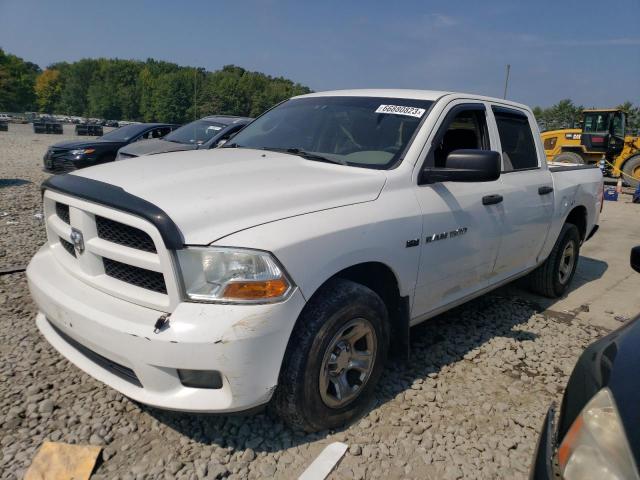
column 343, row 356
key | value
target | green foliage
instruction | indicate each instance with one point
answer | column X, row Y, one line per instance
column 48, row 88
column 17, row 80
column 134, row 90
column 564, row 114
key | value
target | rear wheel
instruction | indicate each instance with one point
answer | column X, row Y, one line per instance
column 553, row 277
column 569, row 157
column 334, row 358
column 631, row 169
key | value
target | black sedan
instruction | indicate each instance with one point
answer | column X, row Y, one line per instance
column 67, row 156
column 597, row 432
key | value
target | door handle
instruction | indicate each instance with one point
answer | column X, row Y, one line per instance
column 491, row 199
column 544, row 190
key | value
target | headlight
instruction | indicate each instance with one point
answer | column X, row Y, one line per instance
column 228, row 275
column 83, row 151
column 596, row 447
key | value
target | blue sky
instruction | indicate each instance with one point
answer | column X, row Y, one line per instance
column 585, row 50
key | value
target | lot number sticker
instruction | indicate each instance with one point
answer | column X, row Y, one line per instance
column 401, row 110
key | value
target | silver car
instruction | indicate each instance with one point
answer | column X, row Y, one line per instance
column 208, row 132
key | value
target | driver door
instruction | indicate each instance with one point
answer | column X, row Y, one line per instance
column 461, row 230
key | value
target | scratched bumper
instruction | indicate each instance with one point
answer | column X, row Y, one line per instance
column 106, row 336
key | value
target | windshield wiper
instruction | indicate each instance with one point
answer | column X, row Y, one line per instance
column 307, row 155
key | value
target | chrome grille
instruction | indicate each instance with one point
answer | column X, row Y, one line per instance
column 140, row 277
column 122, row 234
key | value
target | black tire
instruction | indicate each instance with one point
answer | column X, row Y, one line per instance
column 630, row 168
column 297, row 399
column 569, row 157
column 546, row 279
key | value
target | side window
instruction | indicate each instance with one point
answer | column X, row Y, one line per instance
column 162, row 131
column 518, row 146
column 145, row 136
column 618, row 125
column 466, row 130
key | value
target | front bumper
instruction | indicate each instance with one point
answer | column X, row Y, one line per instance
column 110, row 338
column 65, row 163
column 542, row 467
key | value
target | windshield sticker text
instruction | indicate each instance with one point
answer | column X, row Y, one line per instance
column 401, row 110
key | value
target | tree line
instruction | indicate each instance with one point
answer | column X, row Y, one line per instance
column 166, row 92
column 146, row 91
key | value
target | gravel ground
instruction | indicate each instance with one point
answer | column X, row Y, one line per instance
column 468, row 404
column 21, row 174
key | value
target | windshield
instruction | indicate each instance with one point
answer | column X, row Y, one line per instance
column 123, row 134
column 197, row 132
column 359, row 131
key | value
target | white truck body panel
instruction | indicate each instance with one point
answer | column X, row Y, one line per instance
column 317, row 219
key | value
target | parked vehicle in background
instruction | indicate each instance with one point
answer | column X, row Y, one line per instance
column 208, row 132
column 285, row 265
column 596, row 435
column 602, row 136
column 89, row 129
column 111, row 123
column 5, row 117
column 47, row 124
column 71, row 155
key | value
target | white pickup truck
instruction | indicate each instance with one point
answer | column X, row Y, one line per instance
column 283, row 267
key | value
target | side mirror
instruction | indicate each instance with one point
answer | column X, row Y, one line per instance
column 465, row 166
column 635, row 258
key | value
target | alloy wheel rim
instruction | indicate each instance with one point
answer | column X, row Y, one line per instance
column 347, row 363
column 567, row 262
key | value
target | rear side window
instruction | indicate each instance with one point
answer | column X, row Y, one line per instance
column 518, row 146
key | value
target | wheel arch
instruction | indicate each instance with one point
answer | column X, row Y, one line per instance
column 578, row 217
column 381, row 279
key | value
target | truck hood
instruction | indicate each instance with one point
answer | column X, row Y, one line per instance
column 210, row 194
column 155, row 145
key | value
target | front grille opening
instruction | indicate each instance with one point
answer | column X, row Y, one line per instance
column 140, row 277
column 121, row 371
column 62, row 211
column 122, row 234
column 68, row 246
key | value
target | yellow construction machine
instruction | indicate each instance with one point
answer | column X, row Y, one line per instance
column 602, row 138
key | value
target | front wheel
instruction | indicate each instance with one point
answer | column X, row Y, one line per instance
column 334, row 359
column 631, row 169
column 553, row 277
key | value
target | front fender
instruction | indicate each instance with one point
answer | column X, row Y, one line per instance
column 314, row 247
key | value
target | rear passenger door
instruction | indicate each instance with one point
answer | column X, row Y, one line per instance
column 527, row 207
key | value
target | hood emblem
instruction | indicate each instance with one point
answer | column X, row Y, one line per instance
column 78, row 240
